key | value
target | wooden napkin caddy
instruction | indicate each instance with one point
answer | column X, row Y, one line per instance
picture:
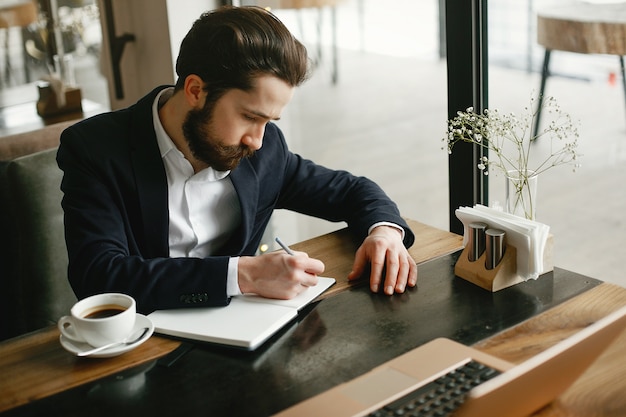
column 47, row 105
column 504, row 274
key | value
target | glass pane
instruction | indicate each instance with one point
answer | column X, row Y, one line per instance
column 26, row 60
column 584, row 209
column 385, row 116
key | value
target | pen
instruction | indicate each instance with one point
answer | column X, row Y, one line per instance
column 285, row 247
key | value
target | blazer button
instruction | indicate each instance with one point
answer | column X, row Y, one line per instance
column 194, row 298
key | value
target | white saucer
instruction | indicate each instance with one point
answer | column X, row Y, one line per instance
column 141, row 321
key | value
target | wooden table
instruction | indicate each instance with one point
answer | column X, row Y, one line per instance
column 345, row 334
column 583, row 28
column 22, row 359
column 18, row 111
column 337, row 250
column 600, row 390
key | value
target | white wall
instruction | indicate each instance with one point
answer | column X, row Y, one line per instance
column 181, row 18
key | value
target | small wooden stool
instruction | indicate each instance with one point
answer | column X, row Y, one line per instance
column 583, row 28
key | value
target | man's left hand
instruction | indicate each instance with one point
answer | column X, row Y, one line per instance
column 384, row 251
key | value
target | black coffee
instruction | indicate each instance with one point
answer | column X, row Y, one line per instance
column 104, row 311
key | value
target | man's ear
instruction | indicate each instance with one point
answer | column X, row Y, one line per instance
column 194, row 91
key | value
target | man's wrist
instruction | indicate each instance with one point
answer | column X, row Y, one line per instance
column 389, row 224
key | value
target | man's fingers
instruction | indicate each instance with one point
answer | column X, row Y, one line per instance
column 358, row 267
column 412, row 273
column 376, row 273
column 309, row 280
column 392, row 275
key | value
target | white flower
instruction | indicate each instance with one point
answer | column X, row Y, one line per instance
column 509, row 139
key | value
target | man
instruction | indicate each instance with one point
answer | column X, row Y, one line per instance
column 168, row 199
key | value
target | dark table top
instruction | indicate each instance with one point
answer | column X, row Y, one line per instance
column 332, row 341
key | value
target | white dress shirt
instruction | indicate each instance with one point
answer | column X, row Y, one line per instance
column 203, row 207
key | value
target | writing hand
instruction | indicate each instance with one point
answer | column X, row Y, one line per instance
column 383, row 250
column 278, row 274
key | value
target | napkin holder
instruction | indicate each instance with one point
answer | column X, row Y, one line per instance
column 504, row 274
column 49, row 104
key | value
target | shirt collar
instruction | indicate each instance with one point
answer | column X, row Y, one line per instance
column 166, row 145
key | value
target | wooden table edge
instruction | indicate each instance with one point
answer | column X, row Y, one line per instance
column 601, row 386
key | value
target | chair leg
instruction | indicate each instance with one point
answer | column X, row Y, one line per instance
column 621, row 64
column 333, row 16
column 544, row 76
column 320, row 23
column 7, row 59
column 27, row 77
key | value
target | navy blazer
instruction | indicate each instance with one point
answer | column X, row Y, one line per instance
column 116, row 209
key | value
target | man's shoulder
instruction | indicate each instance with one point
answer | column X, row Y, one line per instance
column 135, row 117
column 101, row 134
column 104, row 124
column 107, row 120
column 274, row 139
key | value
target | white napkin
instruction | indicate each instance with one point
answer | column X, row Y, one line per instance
column 58, row 86
column 529, row 237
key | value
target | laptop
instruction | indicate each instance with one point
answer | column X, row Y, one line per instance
column 512, row 390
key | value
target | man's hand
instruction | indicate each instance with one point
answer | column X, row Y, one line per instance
column 278, row 275
column 383, row 251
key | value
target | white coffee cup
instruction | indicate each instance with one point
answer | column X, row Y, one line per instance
column 100, row 319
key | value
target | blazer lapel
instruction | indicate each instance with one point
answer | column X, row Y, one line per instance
column 246, row 185
column 150, row 180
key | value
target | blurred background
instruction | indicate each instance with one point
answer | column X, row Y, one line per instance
column 376, row 104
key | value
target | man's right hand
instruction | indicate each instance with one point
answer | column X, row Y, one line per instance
column 278, row 274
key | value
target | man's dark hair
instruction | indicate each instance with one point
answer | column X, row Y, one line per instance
column 230, row 46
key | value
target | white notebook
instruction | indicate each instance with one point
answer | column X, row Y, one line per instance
column 246, row 322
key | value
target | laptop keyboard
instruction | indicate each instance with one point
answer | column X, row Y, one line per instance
column 442, row 396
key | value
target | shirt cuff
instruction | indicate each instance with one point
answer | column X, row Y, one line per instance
column 400, row 228
column 232, row 282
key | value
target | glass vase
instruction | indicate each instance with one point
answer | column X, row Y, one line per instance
column 521, row 193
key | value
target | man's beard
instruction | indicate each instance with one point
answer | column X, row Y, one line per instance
column 199, row 131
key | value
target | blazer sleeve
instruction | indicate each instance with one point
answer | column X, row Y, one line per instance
column 336, row 195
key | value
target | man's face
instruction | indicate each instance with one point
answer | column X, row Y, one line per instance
column 224, row 133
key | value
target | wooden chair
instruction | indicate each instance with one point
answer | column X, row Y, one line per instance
column 583, row 28
column 34, row 289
